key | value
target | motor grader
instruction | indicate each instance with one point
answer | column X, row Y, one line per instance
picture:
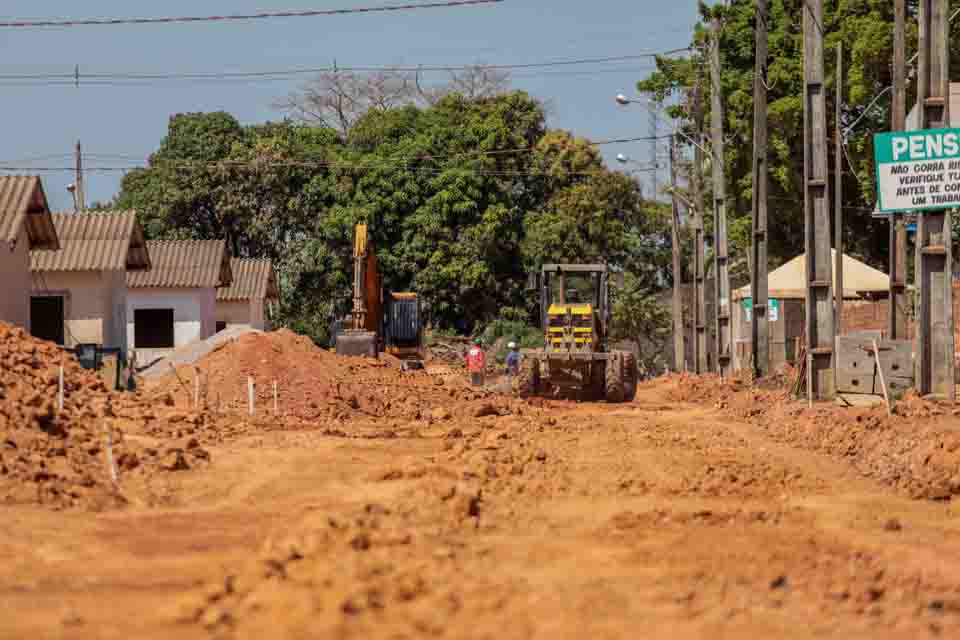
column 576, row 356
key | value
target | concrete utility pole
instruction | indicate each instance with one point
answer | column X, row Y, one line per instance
column 820, row 333
column 699, row 281
column 934, row 260
column 897, row 327
column 78, row 157
column 654, row 163
column 838, row 196
column 760, row 336
column 678, row 351
column 723, row 348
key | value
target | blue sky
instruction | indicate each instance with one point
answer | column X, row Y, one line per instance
column 130, row 120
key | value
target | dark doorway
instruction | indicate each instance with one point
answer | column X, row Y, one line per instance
column 153, row 328
column 46, row 318
column 220, row 326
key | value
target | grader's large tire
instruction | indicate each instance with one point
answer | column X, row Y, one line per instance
column 530, row 384
column 614, row 378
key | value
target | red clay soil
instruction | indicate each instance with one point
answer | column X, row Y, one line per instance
column 59, row 458
column 315, row 384
column 917, row 449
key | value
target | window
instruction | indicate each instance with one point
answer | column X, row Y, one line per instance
column 153, row 328
column 221, row 325
column 46, row 318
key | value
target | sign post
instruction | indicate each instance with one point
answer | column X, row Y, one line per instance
column 919, row 171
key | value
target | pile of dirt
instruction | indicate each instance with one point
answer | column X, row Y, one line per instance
column 313, row 384
column 63, row 458
column 917, row 449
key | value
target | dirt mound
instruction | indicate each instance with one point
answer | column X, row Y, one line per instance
column 61, row 458
column 312, row 383
column 917, row 449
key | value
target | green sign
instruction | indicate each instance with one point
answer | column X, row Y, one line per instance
column 773, row 309
column 917, row 170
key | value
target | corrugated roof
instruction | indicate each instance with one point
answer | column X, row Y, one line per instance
column 98, row 241
column 789, row 280
column 22, row 201
column 184, row 263
column 253, row 279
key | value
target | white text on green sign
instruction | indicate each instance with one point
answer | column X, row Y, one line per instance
column 918, row 170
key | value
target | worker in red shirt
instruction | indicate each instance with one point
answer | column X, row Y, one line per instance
column 476, row 362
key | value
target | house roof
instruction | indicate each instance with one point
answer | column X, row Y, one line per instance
column 184, row 264
column 789, row 280
column 253, row 279
column 22, row 201
column 99, row 241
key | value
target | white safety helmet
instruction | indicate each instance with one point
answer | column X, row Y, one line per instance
column 512, row 345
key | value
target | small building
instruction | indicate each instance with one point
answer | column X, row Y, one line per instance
column 80, row 291
column 247, row 301
column 787, row 291
column 174, row 303
column 25, row 226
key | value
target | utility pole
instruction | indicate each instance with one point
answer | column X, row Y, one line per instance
column 78, row 157
column 820, row 332
column 934, row 260
column 897, row 328
column 723, row 348
column 699, row 280
column 654, row 163
column 678, row 351
column 838, row 197
column 759, row 330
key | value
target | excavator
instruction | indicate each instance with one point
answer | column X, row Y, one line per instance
column 379, row 323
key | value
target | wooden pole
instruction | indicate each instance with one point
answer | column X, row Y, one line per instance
column 276, row 402
column 759, row 288
column 897, row 317
column 722, row 306
column 838, row 196
column 78, row 157
column 695, row 206
column 934, row 253
column 196, row 388
column 251, row 407
column 678, row 354
column 820, row 332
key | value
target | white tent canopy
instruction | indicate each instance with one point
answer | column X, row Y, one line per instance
column 789, row 280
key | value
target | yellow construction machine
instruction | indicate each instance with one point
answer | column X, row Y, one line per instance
column 390, row 323
column 576, row 356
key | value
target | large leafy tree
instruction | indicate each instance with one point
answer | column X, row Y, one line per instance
column 865, row 27
column 462, row 196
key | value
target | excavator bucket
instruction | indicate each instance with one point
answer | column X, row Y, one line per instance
column 357, row 343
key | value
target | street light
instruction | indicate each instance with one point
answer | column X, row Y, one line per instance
column 72, row 188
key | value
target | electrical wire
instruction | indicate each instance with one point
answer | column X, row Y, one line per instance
column 23, row 24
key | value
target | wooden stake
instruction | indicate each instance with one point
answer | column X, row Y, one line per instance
column 111, row 463
column 196, row 388
column 60, row 390
column 250, row 396
column 276, row 403
column 883, row 383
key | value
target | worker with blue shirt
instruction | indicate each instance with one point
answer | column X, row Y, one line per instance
column 513, row 360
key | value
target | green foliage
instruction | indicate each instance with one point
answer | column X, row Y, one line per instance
column 865, row 27
column 502, row 331
column 462, row 197
column 640, row 318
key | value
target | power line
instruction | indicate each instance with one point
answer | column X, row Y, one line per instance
column 75, row 76
column 23, row 24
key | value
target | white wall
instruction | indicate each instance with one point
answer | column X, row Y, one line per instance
column 15, row 281
column 243, row 313
column 193, row 316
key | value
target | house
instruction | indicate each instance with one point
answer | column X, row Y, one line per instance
column 863, row 288
column 174, row 303
column 246, row 301
column 80, row 291
column 25, row 225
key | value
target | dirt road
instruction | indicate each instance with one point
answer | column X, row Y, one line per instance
column 652, row 519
